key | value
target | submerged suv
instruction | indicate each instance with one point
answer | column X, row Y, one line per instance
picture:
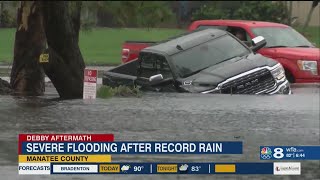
column 207, row 61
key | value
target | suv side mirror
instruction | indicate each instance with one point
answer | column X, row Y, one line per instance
column 258, row 43
column 157, row 80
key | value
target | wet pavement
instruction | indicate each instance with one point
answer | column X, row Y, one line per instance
column 255, row 120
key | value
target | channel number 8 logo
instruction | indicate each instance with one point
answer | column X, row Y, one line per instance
column 266, row 153
column 278, row 153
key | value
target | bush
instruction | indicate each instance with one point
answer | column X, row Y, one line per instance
column 6, row 19
column 137, row 13
column 87, row 25
column 151, row 13
column 262, row 11
column 209, row 11
column 245, row 10
column 121, row 91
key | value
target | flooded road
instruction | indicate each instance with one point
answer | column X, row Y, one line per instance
column 255, row 120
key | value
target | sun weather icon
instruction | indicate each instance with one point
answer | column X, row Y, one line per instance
column 266, row 153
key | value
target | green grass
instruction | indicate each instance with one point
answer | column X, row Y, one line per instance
column 103, row 45
column 6, row 44
column 311, row 33
column 121, row 91
column 99, row 46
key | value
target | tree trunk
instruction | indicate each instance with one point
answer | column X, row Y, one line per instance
column 65, row 67
column 290, row 13
column 306, row 23
column 27, row 76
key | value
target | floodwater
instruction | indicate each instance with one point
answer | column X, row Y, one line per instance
column 255, row 120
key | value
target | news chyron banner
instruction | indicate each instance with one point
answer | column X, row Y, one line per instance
column 38, row 151
column 91, row 154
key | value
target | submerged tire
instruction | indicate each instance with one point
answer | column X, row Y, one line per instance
column 289, row 76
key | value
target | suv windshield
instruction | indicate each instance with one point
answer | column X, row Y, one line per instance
column 282, row 37
column 202, row 56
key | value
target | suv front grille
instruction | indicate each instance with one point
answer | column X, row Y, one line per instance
column 249, row 84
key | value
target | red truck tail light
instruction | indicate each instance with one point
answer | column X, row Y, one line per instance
column 125, row 55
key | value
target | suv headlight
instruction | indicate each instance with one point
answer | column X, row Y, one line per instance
column 278, row 73
column 306, row 65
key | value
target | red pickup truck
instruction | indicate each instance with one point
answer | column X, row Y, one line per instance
column 299, row 57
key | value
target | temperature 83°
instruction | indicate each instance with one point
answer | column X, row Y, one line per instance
column 195, row 168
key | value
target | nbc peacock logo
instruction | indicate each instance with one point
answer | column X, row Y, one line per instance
column 266, row 153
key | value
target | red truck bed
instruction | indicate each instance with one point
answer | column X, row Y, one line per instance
column 131, row 49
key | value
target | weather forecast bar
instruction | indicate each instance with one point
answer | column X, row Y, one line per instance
column 164, row 168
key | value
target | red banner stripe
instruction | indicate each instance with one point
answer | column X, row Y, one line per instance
column 66, row 137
